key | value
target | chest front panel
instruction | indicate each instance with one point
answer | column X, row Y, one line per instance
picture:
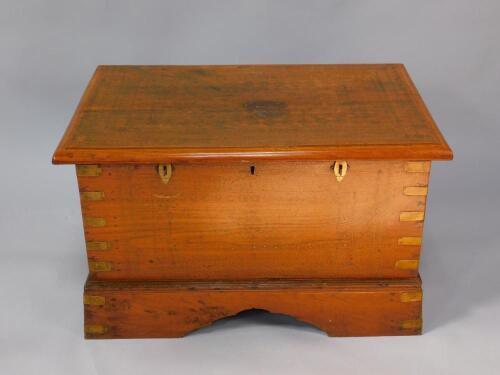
column 261, row 220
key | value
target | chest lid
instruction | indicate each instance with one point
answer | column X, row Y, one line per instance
column 162, row 114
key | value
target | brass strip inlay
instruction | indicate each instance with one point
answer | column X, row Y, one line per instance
column 97, row 329
column 93, row 300
column 416, row 167
column 411, row 297
column 415, row 190
column 411, row 241
column 98, row 245
column 100, row 266
column 407, row 264
column 94, row 221
column 411, row 324
column 411, row 216
column 88, row 170
column 91, row 195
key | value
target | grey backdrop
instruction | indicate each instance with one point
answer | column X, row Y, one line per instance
column 49, row 49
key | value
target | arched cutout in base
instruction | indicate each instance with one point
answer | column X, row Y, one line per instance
column 255, row 317
column 173, row 309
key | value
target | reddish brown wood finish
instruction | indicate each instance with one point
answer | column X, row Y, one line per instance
column 221, row 222
column 252, row 215
column 155, row 114
column 340, row 308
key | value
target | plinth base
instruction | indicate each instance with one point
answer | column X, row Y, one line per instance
column 148, row 309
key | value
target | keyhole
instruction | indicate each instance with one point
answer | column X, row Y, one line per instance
column 340, row 169
column 252, row 170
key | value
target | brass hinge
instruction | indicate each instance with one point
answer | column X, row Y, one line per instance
column 339, row 169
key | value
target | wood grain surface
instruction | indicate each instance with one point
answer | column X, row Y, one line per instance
column 162, row 114
column 253, row 221
column 340, row 308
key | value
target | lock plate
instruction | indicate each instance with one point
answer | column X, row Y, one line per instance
column 339, row 169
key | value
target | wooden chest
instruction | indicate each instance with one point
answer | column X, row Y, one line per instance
column 208, row 190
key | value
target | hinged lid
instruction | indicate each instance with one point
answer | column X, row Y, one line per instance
column 163, row 114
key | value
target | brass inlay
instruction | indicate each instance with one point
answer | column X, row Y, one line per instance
column 165, row 172
column 411, row 216
column 411, row 324
column 88, row 170
column 93, row 300
column 94, row 221
column 416, row 167
column 411, row 297
column 91, row 195
column 98, row 245
column 97, row 329
column 415, row 190
column 100, row 266
column 411, row 241
column 339, row 169
column 407, row 264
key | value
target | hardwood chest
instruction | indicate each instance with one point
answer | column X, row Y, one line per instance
column 209, row 190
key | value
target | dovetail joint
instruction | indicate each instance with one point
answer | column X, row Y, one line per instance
column 91, row 195
column 94, row 221
column 100, row 266
column 411, row 216
column 417, row 167
column 407, row 264
column 411, row 324
column 93, row 300
column 96, row 329
column 411, row 297
column 410, row 241
column 88, row 170
column 415, row 191
column 98, row 245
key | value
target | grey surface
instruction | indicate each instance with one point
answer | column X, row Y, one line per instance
column 48, row 50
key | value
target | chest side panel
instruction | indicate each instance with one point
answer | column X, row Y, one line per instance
column 249, row 221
